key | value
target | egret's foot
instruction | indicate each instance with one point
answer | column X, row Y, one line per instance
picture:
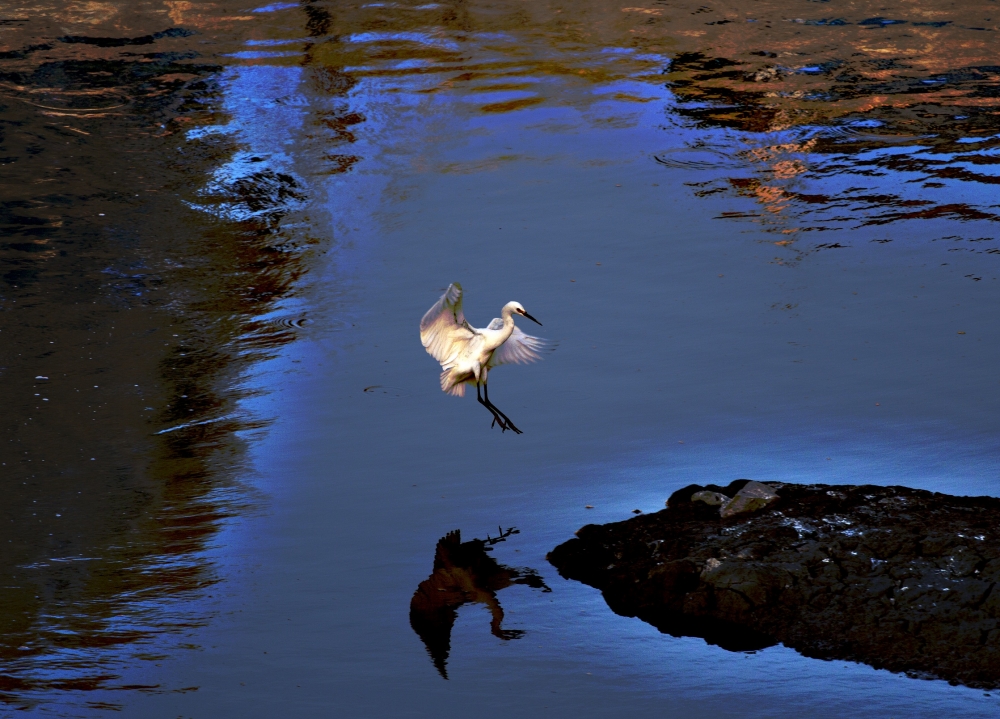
column 514, row 429
column 504, row 419
column 497, row 419
column 498, row 416
column 505, row 425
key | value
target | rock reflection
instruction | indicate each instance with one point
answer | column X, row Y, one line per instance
column 869, row 116
column 463, row 574
column 810, row 120
column 134, row 306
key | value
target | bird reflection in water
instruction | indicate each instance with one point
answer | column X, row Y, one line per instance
column 464, row 574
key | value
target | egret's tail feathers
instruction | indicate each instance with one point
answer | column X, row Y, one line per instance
column 451, row 384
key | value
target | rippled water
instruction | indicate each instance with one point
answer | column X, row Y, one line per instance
column 763, row 237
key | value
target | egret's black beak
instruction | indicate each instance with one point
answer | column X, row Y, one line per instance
column 531, row 318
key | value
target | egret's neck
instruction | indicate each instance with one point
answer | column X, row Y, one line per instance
column 507, row 315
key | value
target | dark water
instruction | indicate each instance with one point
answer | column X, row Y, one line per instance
column 765, row 240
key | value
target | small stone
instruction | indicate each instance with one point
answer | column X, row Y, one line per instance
column 753, row 497
column 715, row 499
column 710, row 566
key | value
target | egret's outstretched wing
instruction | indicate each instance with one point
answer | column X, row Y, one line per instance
column 443, row 330
column 519, row 349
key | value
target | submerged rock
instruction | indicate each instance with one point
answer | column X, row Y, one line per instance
column 898, row 578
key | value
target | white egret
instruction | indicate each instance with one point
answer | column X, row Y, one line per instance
column 467, row 353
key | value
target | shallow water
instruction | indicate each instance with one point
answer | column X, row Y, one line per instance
column 763, row 240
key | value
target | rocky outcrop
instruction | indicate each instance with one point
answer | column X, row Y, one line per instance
column 897, row 578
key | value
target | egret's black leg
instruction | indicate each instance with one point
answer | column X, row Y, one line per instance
column 510, row 425
column 495, row 412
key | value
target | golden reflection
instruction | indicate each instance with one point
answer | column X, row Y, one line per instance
column 463, row 574
column 806, row 82
column 92, row 13
column 178, row 8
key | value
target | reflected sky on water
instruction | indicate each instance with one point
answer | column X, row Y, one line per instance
column 764, row 240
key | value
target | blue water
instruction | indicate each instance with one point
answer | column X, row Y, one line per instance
column 691, row 349
column 727, row 303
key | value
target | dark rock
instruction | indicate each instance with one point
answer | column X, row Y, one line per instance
column 898, row 578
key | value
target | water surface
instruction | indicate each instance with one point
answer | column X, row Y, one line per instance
column 763, row 239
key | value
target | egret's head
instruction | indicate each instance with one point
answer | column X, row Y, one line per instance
column 517, row 309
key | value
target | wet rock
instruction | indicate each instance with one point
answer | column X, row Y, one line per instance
column 897, row 578
column 686, row 494
column 713, row 499
column 753, row 497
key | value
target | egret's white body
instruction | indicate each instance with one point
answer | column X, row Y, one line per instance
column 468, row 353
